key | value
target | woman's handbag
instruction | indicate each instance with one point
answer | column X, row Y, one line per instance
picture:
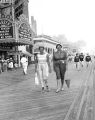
column 67, row 82
column 36, row 79
column 67, row 79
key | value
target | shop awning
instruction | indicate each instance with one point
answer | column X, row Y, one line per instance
column 26, row 53
column 20, row 53
column 12, row 42
column 14, row 53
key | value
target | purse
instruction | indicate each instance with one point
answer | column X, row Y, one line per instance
column 36, row 79
column 67, row 79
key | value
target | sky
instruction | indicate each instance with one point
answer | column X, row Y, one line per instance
column 73, row 18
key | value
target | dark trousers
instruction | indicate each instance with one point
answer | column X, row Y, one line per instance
column 60, row 69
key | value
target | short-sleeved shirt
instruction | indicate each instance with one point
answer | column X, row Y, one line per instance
column 88, row 58
column 59, row 55
column 76, row 59
column 24, row 60
column 81, row 57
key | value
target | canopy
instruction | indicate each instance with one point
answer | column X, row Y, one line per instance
column 26, row 53
column 20, row 53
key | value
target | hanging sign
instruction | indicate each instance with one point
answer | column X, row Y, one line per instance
column 6, row 29
column 5, row 1
column 24, row 32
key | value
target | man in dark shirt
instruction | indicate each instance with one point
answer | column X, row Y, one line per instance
column 81, row 58
column 76, row 60
column 88, row 59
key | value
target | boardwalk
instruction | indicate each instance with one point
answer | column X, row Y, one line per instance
column 20, row 99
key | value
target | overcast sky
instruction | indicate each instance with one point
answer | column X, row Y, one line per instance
column 73, row 18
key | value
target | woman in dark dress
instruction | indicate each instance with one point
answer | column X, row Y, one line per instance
column 60, row 63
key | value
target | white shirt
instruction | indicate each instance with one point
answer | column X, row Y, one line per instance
column 24, row 60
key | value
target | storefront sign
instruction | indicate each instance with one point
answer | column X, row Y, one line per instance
column 6, row 29
column 24, row 32
column 5, row 1
column 6, row 12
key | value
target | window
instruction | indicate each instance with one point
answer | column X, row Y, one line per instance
column 19, row 11
column 17, row 1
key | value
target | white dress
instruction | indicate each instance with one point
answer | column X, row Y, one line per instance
column 42, row 67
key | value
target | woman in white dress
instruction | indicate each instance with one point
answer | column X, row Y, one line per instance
column 42, row 67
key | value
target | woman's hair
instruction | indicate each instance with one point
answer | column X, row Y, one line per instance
column 23, row 56
column 58, row 45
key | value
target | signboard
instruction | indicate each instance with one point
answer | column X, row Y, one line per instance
column 6, row 29
column 5, row 1
column 6, row 12
column 24, row 32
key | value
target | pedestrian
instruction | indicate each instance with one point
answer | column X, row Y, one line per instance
column 5, row 65
column 24, row 64
column 50, row 55
column 76, row 60
column 60, row 64
column 2, row 63
column 50, row 58
column 81, row 58
column 42, row 67
column 69, row 58
column 87, row 59
column 10, row 64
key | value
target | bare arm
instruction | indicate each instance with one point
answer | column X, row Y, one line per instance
column 53, row 62
column 36, row 63
column 48, row 62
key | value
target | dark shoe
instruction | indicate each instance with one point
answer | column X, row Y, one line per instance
column 43, row 89
column 47, row 89
column 23, row 72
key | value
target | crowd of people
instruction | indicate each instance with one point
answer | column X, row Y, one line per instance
column 43, row 66
column 7, row 64
column 81, row 59
column 60, row 60
column 44, row 62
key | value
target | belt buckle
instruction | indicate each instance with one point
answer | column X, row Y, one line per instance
column 62, row 61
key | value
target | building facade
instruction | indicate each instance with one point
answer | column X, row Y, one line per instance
column 21, row 7
column 16, row 35
column 34, row 26
column 50, row 45
column 46, row 41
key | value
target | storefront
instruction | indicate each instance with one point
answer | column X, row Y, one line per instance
column 14, row 34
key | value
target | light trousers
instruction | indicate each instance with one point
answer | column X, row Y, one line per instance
column 43, row 73
column 24, row 68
